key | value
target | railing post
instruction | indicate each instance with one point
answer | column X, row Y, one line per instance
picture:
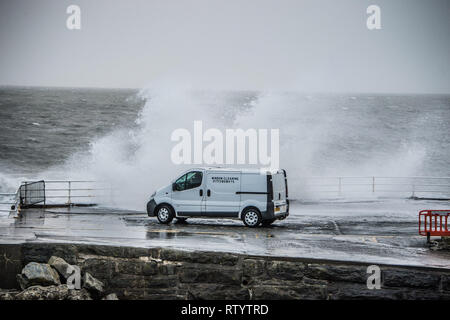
column 340, row 186
column 45, row 200
column 69, row 200
column 25, row 194
column 373, row 184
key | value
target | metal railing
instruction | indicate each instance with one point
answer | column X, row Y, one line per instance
column 414, row 187
column 74, row 192
column 32, row 193
column 54, row 193
column 89, row 192
column 28, row 194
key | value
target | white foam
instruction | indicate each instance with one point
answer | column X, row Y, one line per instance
column 137, row 161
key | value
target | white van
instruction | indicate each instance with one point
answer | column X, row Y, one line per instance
column 250, row 195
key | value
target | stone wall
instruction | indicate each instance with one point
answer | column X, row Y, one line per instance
column 159, row 273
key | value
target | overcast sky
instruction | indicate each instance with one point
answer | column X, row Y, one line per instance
column 229, row 44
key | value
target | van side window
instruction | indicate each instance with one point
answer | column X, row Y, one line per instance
column 188, row 181
column 193, row 180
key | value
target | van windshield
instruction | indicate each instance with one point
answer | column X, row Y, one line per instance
column 180, row 183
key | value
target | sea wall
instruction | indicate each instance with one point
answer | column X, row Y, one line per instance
column 160, row 273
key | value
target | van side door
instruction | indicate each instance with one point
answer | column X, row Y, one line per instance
column 222, row 194
column 187, row 194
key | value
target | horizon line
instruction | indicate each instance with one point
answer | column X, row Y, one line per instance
column 230, row 90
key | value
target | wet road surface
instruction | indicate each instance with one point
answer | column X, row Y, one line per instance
column 374, row 231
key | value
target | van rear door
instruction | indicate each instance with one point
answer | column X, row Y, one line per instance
column 280, row 192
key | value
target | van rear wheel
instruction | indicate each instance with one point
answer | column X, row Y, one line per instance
column 164, row 214
column 251, row 217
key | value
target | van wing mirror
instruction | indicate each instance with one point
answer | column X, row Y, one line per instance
column 174, row 187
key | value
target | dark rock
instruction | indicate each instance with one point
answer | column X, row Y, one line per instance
column 152, row 295
column 358, row 291
column 308, row 290
column 135, row 266
column 96, row 287
column 101, row 267
column 344, row 273
column 114, row 252
column 210, row 291
column 227, row 259
column 446, row 283
column 6, row 294
column 111, row 296
column 37, row 274
column 125, row 281
column 409, row 278
column 253, row 267
column 44, row 293
column 43, row 252
column 164, row 281
column 441, row 244
column 285, row 270
column 425, row 295
column 209, row 274
column 272, row 292
column 151, row 268
column 60, row 292
column 167, row 269
column 304, row 289
column 10, row 265
column 22, row 281
column 59, row 264
column 82, row 294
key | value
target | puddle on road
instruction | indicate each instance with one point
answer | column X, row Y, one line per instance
column 198, row 234
column 173, row 234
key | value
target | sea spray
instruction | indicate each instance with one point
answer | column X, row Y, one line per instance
column 137, row 161
column 318, row 137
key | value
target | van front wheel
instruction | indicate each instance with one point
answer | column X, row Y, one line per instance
column 251, row 217
column 164, row 214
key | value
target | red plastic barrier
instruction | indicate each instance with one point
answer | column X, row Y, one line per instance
column 434, row 223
